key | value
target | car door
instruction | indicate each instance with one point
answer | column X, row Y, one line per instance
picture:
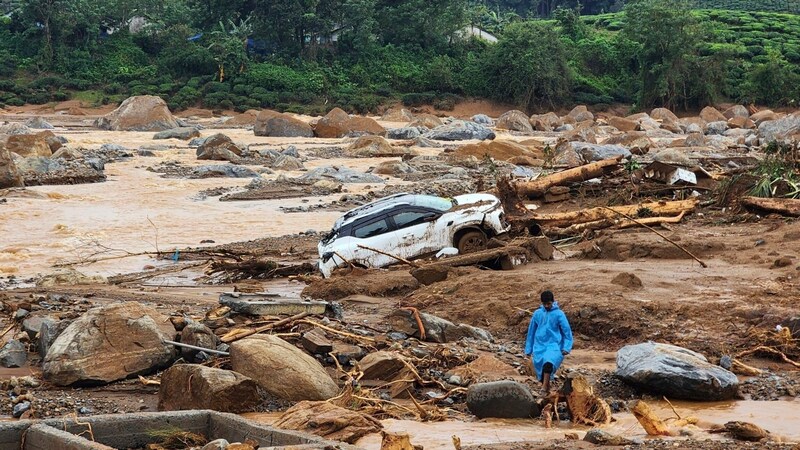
column 419, row 232
column 377, row 233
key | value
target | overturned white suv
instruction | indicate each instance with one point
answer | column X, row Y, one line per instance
column 409, row 226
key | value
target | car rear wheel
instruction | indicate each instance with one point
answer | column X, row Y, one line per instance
column 471, row 241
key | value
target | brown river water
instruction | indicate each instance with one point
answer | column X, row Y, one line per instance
column 137, row 210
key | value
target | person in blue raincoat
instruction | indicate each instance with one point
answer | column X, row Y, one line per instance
column 549, row 339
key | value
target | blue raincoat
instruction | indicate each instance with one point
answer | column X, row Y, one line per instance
column 548, row 334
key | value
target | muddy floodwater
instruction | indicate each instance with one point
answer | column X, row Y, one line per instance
column 137, row 210
column 780, row 417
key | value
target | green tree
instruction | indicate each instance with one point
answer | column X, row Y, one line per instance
column 773, row 82
column 228, row 46
column 421, row 23
column 669, row 59
column 528, row 66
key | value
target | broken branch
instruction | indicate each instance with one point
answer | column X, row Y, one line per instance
column 539, row 187
column 235, row 335
column 402, row 260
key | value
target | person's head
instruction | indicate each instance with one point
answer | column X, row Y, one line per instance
column 547, row 300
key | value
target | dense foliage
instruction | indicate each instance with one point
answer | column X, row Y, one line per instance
column 310, row 55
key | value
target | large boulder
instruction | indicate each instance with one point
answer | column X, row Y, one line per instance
column 110, row 343
column 663, row 114
column 763, row 116
column 718, row 127
column 271, row 124
column 596, row 152
column 218, row 148
column 287, row 162
column 506, row 399
column 222, row 171
column 39, row 123
column 243, row 120
column 736, row 111
column 192, row 386
column 182, row 133
column 514, row 120
column 397, row 115
column 282, row 369
column 13, row 354
column 781, row 129
column 26, row 145
column 40, row 170
column 581, row 114
column 335, row 124
column 139, row 113
column 711, row 114
column 55, row 142
column 9, row 174
column 198, row 335
column 482, row 119
column 428, row 121
column 373, row 146
column 460, row 130
column 382, row 365
column 365, row 125
column 545, row 122
column 622, row 124
column 675, row 372
column 394, row 168
column 405, row 133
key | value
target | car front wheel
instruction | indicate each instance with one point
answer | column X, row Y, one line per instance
column 471, row 241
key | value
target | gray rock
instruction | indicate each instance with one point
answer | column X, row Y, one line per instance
column 716, row 127
column 751, row 140
column 13, row 354
column 222, row 171
column 482, row 119
column 39, row 170
column 781, row 129
column 286, row 162
column 110, row 343
column 199, row 335
column 600, row 437
column 565, row 127
column 693, row 128
column 726, row 362
column 20, row 408
column 33, row 324
column 182, row 133
column 404, row 133
column 15, row 128
column 291, row 151
column 459, row 130
column 48, row 333
column 219, row 148
column 424, row 142
column 675, row 372
column 39, row 123
column 340, row 174
column 270, row 153
column 437, row 329
column 21, row 313
column 196, row 142
column 145, row 153
column 695, row 140
column 506, row 399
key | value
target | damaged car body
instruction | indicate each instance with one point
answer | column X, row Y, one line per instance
column 410, row 226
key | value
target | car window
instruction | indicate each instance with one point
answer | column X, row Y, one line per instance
column 371, row 229
column 411, row 218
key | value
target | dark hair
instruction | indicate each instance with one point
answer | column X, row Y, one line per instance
column 547, row 297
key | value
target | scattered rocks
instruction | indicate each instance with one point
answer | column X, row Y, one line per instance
column 192, row 386
column 505, row 399
column 282, row 369
column 675, row 372
column 139, row 113
column 110, row 343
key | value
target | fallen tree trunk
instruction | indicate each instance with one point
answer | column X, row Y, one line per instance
column 651, row 423
column 783, row 206
column 559, row 220
column 579, row 228
column 538, row 187
column 524, row 247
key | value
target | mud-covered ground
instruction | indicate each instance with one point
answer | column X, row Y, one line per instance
column 617, row 287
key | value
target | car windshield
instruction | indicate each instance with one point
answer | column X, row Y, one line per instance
column 438, row 203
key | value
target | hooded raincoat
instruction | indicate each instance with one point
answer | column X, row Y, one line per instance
column 548, row 334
